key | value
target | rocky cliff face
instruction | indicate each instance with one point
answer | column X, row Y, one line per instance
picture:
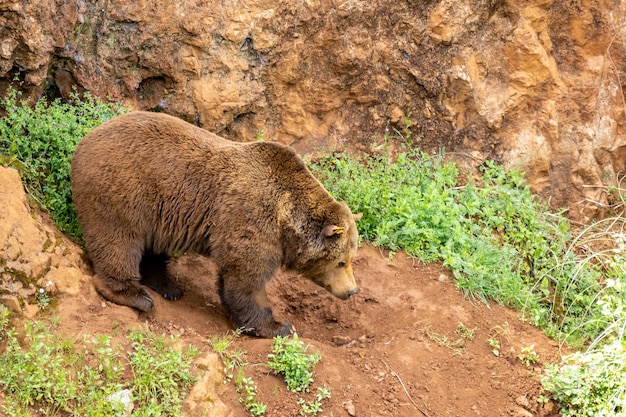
column 531, row 83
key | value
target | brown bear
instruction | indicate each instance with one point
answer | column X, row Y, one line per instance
column 148, row 185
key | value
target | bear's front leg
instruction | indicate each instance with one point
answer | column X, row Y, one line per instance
column 249, row 309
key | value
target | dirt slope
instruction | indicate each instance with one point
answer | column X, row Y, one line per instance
column 382, row 351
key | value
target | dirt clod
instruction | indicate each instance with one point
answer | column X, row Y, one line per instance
column 349, row 407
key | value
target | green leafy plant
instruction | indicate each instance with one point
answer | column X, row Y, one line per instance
column 495, row 346
column 234, row 365
column 497, row 333
column 39, row 141
column 43, row 298
column 590, row 384
column 222, row 344
column 465, row 332
column 543, row 399
column 528, row 356
column 249, row 399
column 42, row 374
column 290, row 359
column 161, row 375
column 313, row 408
column 457, row 345
column 233, row 359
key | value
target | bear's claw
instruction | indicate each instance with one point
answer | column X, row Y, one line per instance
column 143, row 301
column 127, row 293
column 170, row 292
column 278, row 329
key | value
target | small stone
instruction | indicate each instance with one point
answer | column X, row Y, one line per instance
column 396, row 115
column 203, row 399
column 30, row 310
column 548, row 408
column 522, row 401
column 6, row 48
column 349, row 407
column 208, row 362
column 124, row 398
column 341, row 340
column 11, row 302
column 520, row 412
column 67, row 280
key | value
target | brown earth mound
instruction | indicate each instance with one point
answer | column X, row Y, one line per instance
column 394, row 349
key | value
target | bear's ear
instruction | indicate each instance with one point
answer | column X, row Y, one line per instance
column 357, row 216
column 332, row 230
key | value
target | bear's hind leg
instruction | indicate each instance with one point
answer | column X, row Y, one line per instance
column 249, row 309
column 116, row 265
column 153, row 270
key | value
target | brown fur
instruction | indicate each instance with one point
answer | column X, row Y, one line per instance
column 147, row 185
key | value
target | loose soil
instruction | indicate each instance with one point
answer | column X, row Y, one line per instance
column 391, row 350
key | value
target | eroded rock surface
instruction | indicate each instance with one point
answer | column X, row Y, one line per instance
column 533, row 83
column 33, row 257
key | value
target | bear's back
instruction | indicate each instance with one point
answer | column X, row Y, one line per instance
column 140, row 130
column 141, row 153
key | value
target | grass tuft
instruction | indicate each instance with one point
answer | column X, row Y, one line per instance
column 290, row 359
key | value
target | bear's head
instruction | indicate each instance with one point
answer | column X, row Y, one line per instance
column 331, row 269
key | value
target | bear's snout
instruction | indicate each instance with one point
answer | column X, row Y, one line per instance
column 350, row 293
column 339, row 282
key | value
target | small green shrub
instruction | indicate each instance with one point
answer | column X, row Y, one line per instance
column 234, row 364
column 250, row 402
column 465, row 332
column 290, row 359
column 313, row 408
column 39, row 141
column 590, row 384
column 161, row 376
column 593, row 383
column 528, row 356
column 50, row 374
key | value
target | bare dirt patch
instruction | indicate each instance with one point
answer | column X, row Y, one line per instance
column 393, row 349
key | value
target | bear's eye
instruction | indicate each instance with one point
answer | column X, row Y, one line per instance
column 341, row 264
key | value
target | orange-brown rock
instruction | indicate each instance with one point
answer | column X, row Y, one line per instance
column 31, row 252
column 531, row 83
